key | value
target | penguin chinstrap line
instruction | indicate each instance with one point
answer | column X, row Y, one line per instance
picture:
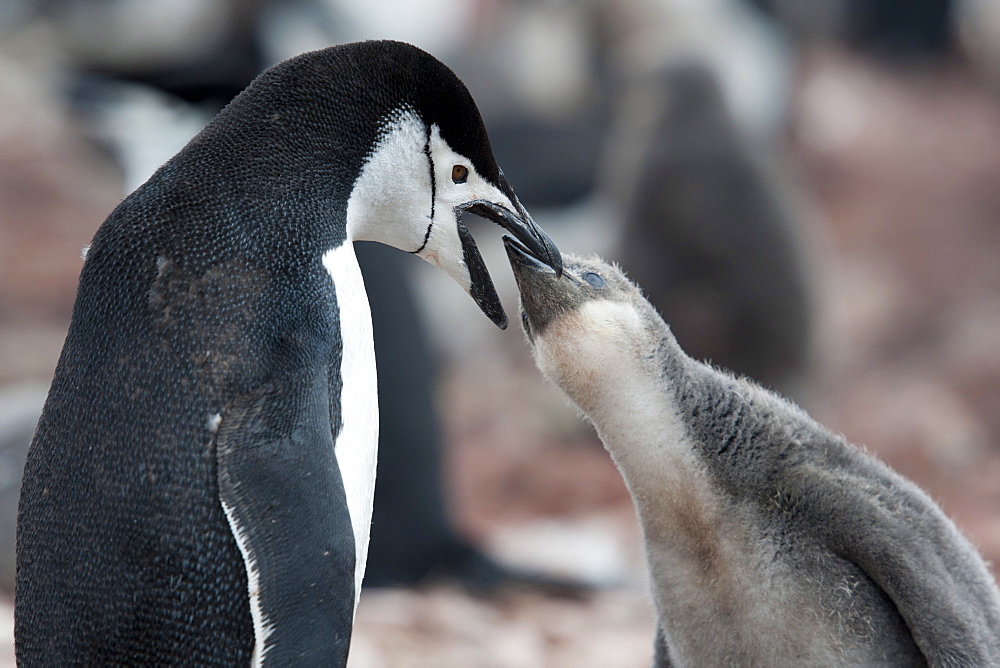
column 769, row 539
column 199, row 487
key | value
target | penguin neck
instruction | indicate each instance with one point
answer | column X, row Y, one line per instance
column 642, row 418
column 680, row 430
column 637, row 415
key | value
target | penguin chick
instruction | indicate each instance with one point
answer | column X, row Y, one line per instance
column 770, row 540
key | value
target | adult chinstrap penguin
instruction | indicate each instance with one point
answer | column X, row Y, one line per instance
column 199, row 487
column 770, row 540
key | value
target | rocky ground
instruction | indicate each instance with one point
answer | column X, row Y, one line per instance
column 903, row 168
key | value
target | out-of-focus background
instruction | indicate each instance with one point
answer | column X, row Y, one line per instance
column 809, row 190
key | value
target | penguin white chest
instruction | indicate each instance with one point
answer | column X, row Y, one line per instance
column 356, row 446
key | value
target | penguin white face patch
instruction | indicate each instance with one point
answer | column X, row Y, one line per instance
column 391, row 199
column 407, row 193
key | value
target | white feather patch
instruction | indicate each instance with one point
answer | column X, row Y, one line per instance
column 261, row 627
column 357, row 442
column 213, row 423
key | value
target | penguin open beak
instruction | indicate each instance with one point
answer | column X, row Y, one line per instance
column 532, row 238
column 522, row 227
column 480, row 284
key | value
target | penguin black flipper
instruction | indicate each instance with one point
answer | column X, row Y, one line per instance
column 280, row 486
column 898, row 536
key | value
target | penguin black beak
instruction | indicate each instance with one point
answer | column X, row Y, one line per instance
column 531, row 237
column 481, row 285
column 522, row 227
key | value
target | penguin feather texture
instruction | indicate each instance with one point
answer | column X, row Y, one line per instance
column 770, row 540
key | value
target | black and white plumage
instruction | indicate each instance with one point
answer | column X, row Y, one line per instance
column 770, row 540
column 199, row 487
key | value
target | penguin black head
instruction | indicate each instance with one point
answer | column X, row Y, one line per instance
column 407, row 148
column 440, row 154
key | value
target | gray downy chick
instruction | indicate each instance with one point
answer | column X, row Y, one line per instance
column 770, row 540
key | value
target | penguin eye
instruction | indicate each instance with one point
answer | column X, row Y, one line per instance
column 459, row 173
column 593, row 279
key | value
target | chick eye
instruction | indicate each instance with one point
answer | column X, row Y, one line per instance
column 459, row 173
column 593, row 279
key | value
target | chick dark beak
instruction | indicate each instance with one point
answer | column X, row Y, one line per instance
column 522, row 227
column 531, row 238
column 537, row 283
column 522, row 261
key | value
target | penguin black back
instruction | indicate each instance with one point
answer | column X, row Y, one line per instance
column 182, row 499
